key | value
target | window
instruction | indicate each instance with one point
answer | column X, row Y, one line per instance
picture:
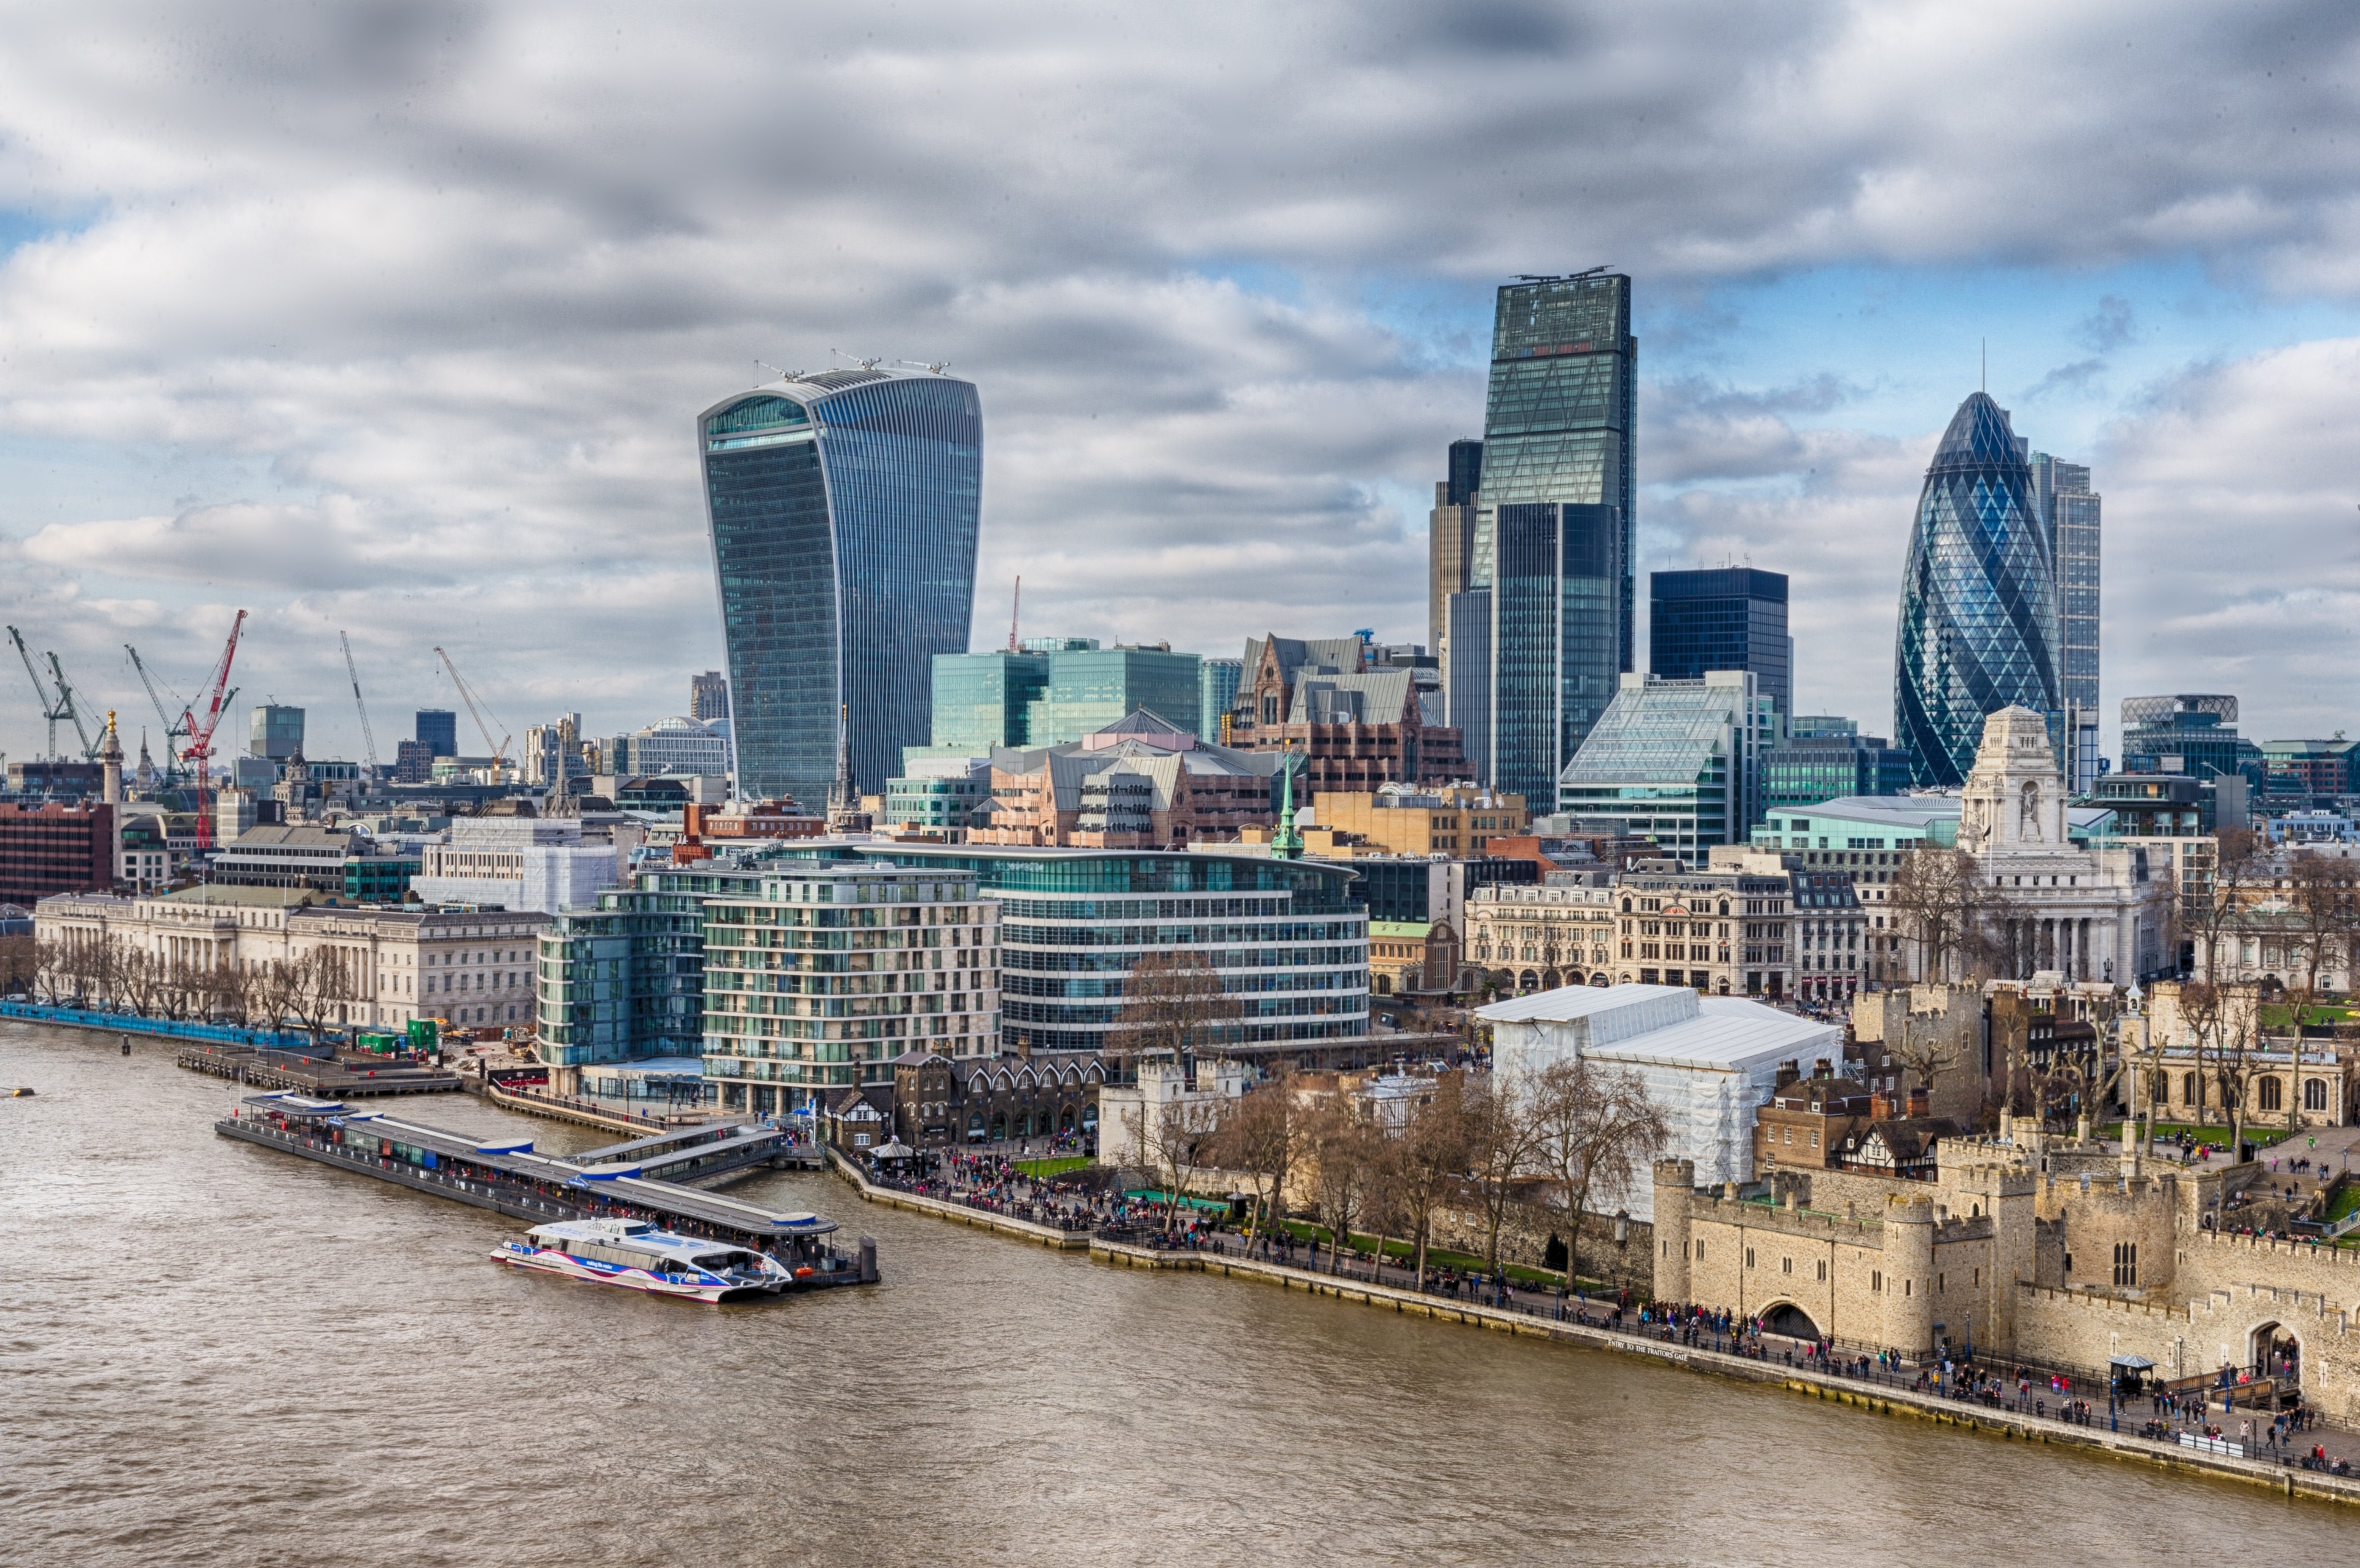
column 1749, row 1258
column 2126, row 1263
column 1824, row 1273
column 1785, row 1266
column 2273, row 1094
column 1699, row 1252
column 1876, row 1280
column 2314, row 1094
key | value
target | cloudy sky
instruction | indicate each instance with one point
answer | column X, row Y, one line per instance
column 392, row 319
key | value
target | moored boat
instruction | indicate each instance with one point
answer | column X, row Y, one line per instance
column 639, row 1256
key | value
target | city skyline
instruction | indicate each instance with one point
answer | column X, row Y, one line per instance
column 1219, row 407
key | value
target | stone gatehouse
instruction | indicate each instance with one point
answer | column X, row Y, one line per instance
column 2058, row 1251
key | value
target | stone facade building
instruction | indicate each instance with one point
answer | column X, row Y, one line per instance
column 2063, row 1253
column 939, row 1103
column 1526, row 939
column 1143, row 783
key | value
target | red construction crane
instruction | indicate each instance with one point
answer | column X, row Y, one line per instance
column 199, row 749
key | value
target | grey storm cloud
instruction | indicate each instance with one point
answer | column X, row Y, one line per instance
column 446, row 283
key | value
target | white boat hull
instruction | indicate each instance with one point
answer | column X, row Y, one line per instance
column 549, row 1260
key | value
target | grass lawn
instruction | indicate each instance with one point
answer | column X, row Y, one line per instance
column 1399, row 1251
column 2345, row 1202
column 2218, row 1137
column 1042, row 1170
column 2278, row 1015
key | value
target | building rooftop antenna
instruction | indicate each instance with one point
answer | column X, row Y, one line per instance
column 863, row 363
column 935, row 367
column 1015, row 607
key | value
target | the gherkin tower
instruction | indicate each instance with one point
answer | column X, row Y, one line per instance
column 1978, row 602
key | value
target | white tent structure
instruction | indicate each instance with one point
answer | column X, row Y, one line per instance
column 1710, row 1062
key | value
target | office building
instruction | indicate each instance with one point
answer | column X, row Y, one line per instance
column 843, row 507
column 1142, row 783
column 985, row 700
column 1466, row 678
column 2067, row 508
column 708, row 697
column 1978, row 625
column 623, row 979
column 1731, row 617
column 1803, row 772
column 1091, row 687
column 275, row 732
column 1216, row 692
column 1674, row 761
column 516, row 863
column 675, row 745
column 937, row 796
column 1354, row 726
column 785, row 1020
column 1450, row 537
column 1401, row 819
column 1553, row 538
column 2190, row 733
column 1820, row 726
column 438, row 732
column 55, row 848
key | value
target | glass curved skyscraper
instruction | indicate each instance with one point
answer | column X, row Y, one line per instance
column 844, row 508
column 1979, row 622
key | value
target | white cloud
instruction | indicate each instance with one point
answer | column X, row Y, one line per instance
column 446, row 283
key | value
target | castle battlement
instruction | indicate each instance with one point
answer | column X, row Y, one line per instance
column 1757, row 1216
column 2100, row 1299
column 2278, row 1245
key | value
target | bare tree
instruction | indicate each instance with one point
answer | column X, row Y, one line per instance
column 1934, row 899
column 1175, row 1136
column 315, row 983
column 1924, row 1055
column 1430, row 1161
column 138, row 977
column 1341, row 1145
column 1503, row 1136
column 1598, row 1130
column 2224, row 1025
column 1173, row 1001
column 20, row 964
column 1261, row 1134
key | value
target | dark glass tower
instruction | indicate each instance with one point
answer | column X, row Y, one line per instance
column 1727, row 618
column 1554, row 639
column 843, row 508
column 1553, row 520
column 1979, row 618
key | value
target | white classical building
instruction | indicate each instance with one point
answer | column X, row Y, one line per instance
column 2081, row 913
column 520, row 863
column 1710, row 1062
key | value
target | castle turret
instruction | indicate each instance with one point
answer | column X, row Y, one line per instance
column 1675, row 1244
column 1909, row 1271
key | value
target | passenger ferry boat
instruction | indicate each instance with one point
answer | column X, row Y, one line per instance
column 637, row 1256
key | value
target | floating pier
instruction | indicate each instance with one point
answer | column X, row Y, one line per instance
column 644, row 1179
column 314, row 1075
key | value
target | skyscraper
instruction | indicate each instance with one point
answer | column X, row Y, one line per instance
column 1729, row 617
column 708, row 696
column 1450, row 537
column 438, row 731
column 1979, row 621
column 844, row 508
column 1551, row 551
column 2066, row 505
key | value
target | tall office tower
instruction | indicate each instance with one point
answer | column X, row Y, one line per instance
column 1450, row 536
column 438, row 731
column 1977, row 600
column 1552, row 521
column 1466, row 677
column 844, row 508
column 984, row 699
column 1729, row 618
column 1560, row 569
column 708, row 697
column 2069, row 510
column 276, row 733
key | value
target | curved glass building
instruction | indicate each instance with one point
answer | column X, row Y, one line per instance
column 1979, row 621
column 843, row 508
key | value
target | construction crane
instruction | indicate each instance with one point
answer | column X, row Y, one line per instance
column 50, row 708
column 199, row 749
column 174, row 729
column 368, row 735
column 73, row 714
column 499, row 749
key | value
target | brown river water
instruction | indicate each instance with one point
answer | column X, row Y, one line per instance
column 211, row 1353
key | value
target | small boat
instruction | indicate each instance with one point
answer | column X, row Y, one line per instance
column 20, row 1093
column 637, row 1256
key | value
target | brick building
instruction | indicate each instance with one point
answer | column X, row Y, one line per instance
column 939, row 1103
column 1357, row 726
column 55, row 848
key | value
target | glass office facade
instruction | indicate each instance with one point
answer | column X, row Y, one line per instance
column 1555, row 649
column 1090, row 689
column 983, row 700
column 843, row 508
column 1674, row 761
column 1557, row 420
column 1726, row 618
column 1979, row 617
column 1216, row 692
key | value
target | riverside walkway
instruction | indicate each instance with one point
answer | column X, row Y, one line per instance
column 2001, row 1398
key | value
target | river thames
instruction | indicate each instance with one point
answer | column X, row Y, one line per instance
column 215, row 1353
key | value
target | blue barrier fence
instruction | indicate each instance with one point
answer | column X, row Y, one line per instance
column 132, row 1023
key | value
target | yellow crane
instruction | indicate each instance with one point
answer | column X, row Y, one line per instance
column 499, row 749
